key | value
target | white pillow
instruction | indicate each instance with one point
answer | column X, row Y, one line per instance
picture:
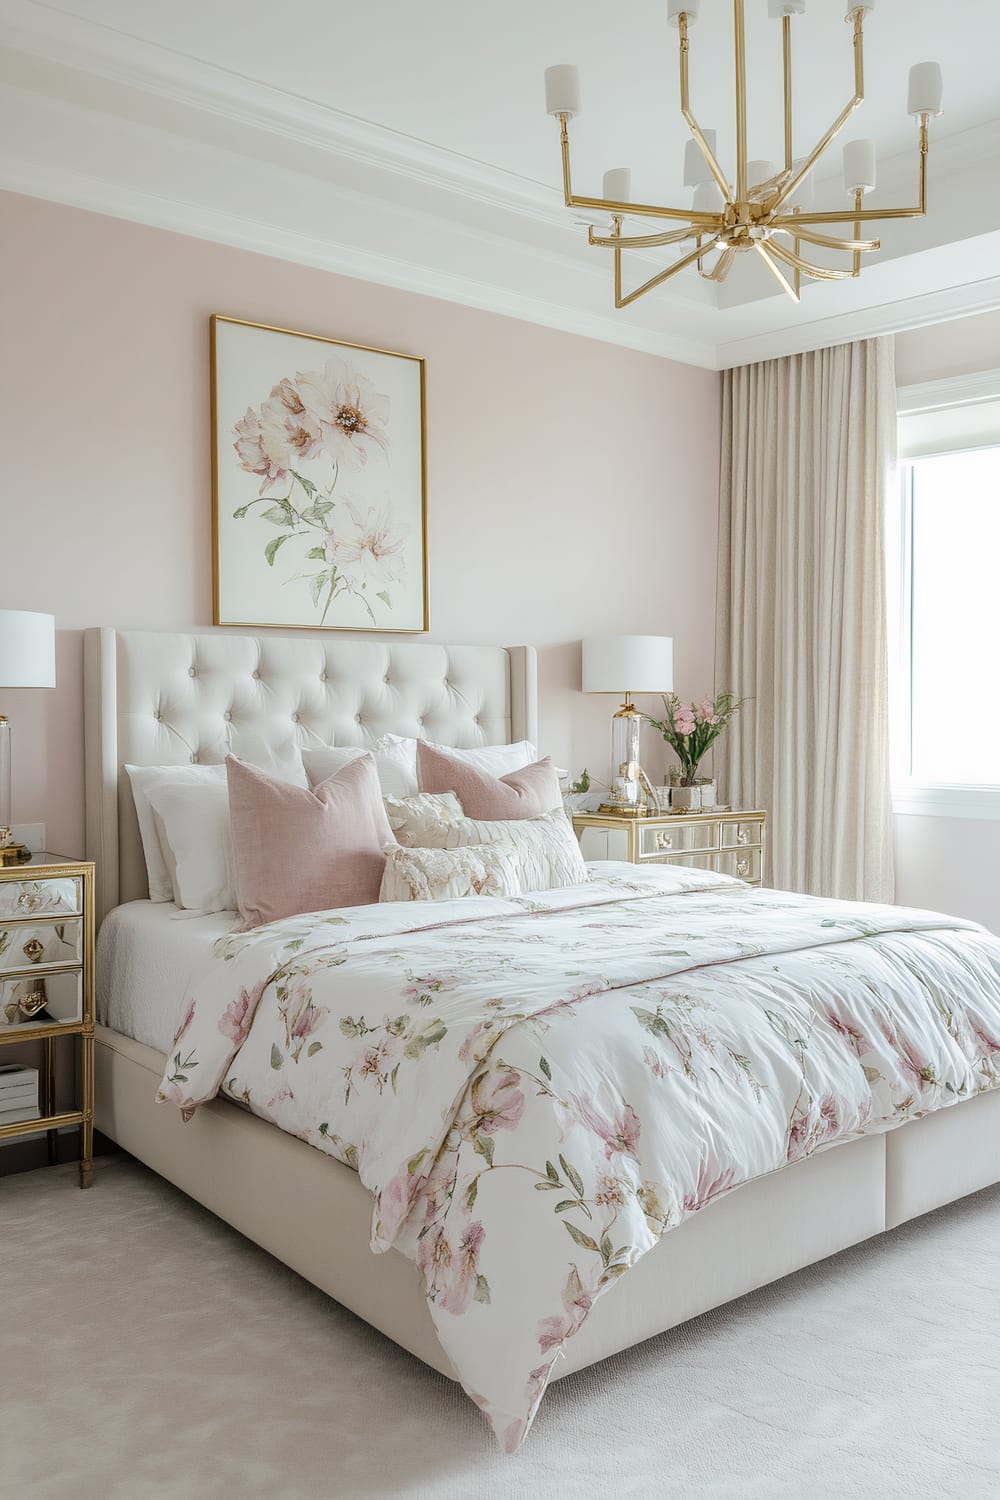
column 145, row 779
column 411, row 818
column 192, row 823
column 396, row 761
column 444, row 874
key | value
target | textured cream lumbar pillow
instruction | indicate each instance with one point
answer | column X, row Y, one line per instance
column 445, row 874
column 548, row 853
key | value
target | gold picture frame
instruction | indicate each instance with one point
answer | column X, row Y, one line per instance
column 319, row 482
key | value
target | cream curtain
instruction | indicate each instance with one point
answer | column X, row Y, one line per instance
column 808, row 445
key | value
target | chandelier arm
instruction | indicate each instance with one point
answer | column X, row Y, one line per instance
column 828, row 241
column 777, row 273
column 647, row 241
column 740, row 49
column 723, row 265
column 711, row 160
column 786, row 60
column 820, row 273
column 859, row 194
column 654, row 281
column 841, row 120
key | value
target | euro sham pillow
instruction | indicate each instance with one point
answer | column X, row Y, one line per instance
column 445, row 874
column 548, row 853
column 524, row 793
column 396, row 761
column 192, row 826
column 144, row 780
column 296, row 850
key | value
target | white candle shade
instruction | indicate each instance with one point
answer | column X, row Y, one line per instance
column 562, row 90
column 617, row 185
column 853, row 5
column 707, row 198
column 27, row 649
column 860, row 168
column 675, row 7
column 926, row 90
column 696, row 168
column 759, row 171
column 628, row 664
column 779, row 8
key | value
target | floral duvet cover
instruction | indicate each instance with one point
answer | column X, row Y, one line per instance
column 534, row 1090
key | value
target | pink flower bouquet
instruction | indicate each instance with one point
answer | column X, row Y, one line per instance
column 691, row 731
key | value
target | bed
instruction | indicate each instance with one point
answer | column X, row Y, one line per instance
column 156, row 699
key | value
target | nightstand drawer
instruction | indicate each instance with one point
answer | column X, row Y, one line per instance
column 35, row 945
column 744, row 864
column 742, row 835
column 63, row 999
column 62, row 896
column 662, row 842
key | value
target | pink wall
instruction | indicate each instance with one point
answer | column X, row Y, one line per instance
column 949, row 864
column 572, row 485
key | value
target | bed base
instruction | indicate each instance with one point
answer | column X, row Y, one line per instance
column 314, row 1215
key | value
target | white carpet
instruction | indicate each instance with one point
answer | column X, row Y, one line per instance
column 148, row 1351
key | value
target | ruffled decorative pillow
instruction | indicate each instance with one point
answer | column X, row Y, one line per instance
column 444, row 874
column 526, row 793
column 547, row 850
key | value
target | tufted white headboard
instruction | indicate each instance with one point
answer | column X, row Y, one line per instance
column 170, row 699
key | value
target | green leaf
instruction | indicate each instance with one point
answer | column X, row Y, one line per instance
column 606, row 1248
column 414, row 1162
column 482, row 1291
column 276, row 1057
column 566, row 1203
column 271, row 550
column 239, row 514
column 349, row 1026
column 544, row 1067
column 873, row 1075
column 583, row 1240
column 385, row 598
column 313, row 1048
column 612, row 1272
column 573, row 1175
column 472, row 1192
column 318, row 511
column 551, row 1173
column 651, row 1022
column 316, row 586
column 483, row 1146
column 316, row 554
column 548, row 1187
column 324, row 1129
column 278, row 515
column 306, row 484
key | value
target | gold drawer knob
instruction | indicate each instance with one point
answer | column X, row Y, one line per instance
column 742, row 836
column 743, row 867
column 33, row 951
column 664, row 840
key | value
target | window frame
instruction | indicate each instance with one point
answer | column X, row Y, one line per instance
column 912, row 795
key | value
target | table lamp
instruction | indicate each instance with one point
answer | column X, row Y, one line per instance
column 629, row 664
column 27, row 660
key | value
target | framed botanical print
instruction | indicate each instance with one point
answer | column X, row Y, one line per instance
column 318, row 482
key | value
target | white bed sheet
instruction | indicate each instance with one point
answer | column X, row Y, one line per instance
column 147, row 954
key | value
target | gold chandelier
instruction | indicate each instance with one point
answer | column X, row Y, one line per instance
column 765, row 210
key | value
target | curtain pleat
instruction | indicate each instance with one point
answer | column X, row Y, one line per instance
column 808, row 447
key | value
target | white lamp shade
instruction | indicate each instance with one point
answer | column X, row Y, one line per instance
column 617, row 186
column 27, row 649
column 675, row 8
column 628, row 664
column 926, row 90
column 562, row 90
column 696, row 168
column 860, row 169
column 707, row 198
column 760, row 171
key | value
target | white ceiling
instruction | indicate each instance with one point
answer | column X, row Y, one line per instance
column 432, row 163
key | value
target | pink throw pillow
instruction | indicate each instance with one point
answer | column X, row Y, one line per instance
column 527, row 793
column 300, row 851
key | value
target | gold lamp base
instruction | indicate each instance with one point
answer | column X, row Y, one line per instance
column 14, row 854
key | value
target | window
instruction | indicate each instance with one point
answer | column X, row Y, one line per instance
column 944, row 579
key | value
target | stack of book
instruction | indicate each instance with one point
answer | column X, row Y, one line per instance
column 18, row 1093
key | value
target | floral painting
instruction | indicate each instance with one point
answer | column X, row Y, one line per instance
column 319, row 482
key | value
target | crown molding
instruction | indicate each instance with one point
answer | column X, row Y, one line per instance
column 100, row 195
column 956, row 390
